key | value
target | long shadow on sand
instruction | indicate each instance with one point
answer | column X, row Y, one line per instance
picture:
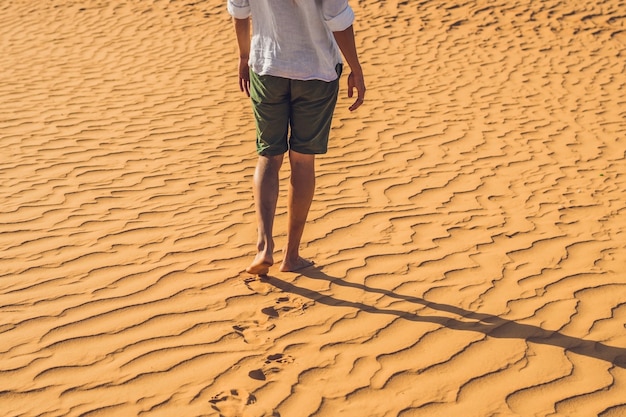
column 493, row 326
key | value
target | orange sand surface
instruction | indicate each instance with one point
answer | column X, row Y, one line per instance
column 469, row 228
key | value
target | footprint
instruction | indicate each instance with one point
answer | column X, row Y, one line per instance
column 273, row 365
column 287, row 307
column 232, row 403
column 239, row 403
column 258, row 285
column 253, row 332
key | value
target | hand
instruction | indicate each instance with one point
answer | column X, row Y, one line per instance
column 355, row 80
column 244, row 76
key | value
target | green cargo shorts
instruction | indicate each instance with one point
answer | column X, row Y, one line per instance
column 305, row 108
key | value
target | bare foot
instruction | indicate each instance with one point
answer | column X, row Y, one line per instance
column 293, row 266
column 260, row 266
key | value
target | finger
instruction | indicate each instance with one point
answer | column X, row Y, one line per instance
column 244, row 86
column 356, row 104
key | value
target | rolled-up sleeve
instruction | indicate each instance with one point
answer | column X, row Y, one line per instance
column 338, row 14
column 239, row 9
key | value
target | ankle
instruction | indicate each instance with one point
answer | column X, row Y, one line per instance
column 291, row 255
column 265, row 246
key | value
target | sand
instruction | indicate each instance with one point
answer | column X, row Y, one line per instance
column 468, row 228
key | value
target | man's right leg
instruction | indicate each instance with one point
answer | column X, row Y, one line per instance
column 301, row 190
column 266, row 185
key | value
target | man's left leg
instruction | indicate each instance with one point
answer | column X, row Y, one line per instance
column 265, row 199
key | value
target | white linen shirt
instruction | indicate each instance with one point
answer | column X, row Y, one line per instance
column 294, row 38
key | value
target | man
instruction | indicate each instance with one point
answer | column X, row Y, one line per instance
column 289, row 64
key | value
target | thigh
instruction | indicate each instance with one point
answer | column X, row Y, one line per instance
column 313, row 105
column 271, row 106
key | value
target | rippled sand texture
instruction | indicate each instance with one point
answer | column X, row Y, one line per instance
column 468, row 231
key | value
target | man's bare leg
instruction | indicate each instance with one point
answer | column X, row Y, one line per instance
column 301, row 190
column 265, row 199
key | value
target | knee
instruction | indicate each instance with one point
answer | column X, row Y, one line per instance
column 301, row 160
column 271, row 161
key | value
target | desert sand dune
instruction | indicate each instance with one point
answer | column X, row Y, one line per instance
column 468, row 230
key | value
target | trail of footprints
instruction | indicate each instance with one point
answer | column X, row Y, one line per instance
column 237, row 402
